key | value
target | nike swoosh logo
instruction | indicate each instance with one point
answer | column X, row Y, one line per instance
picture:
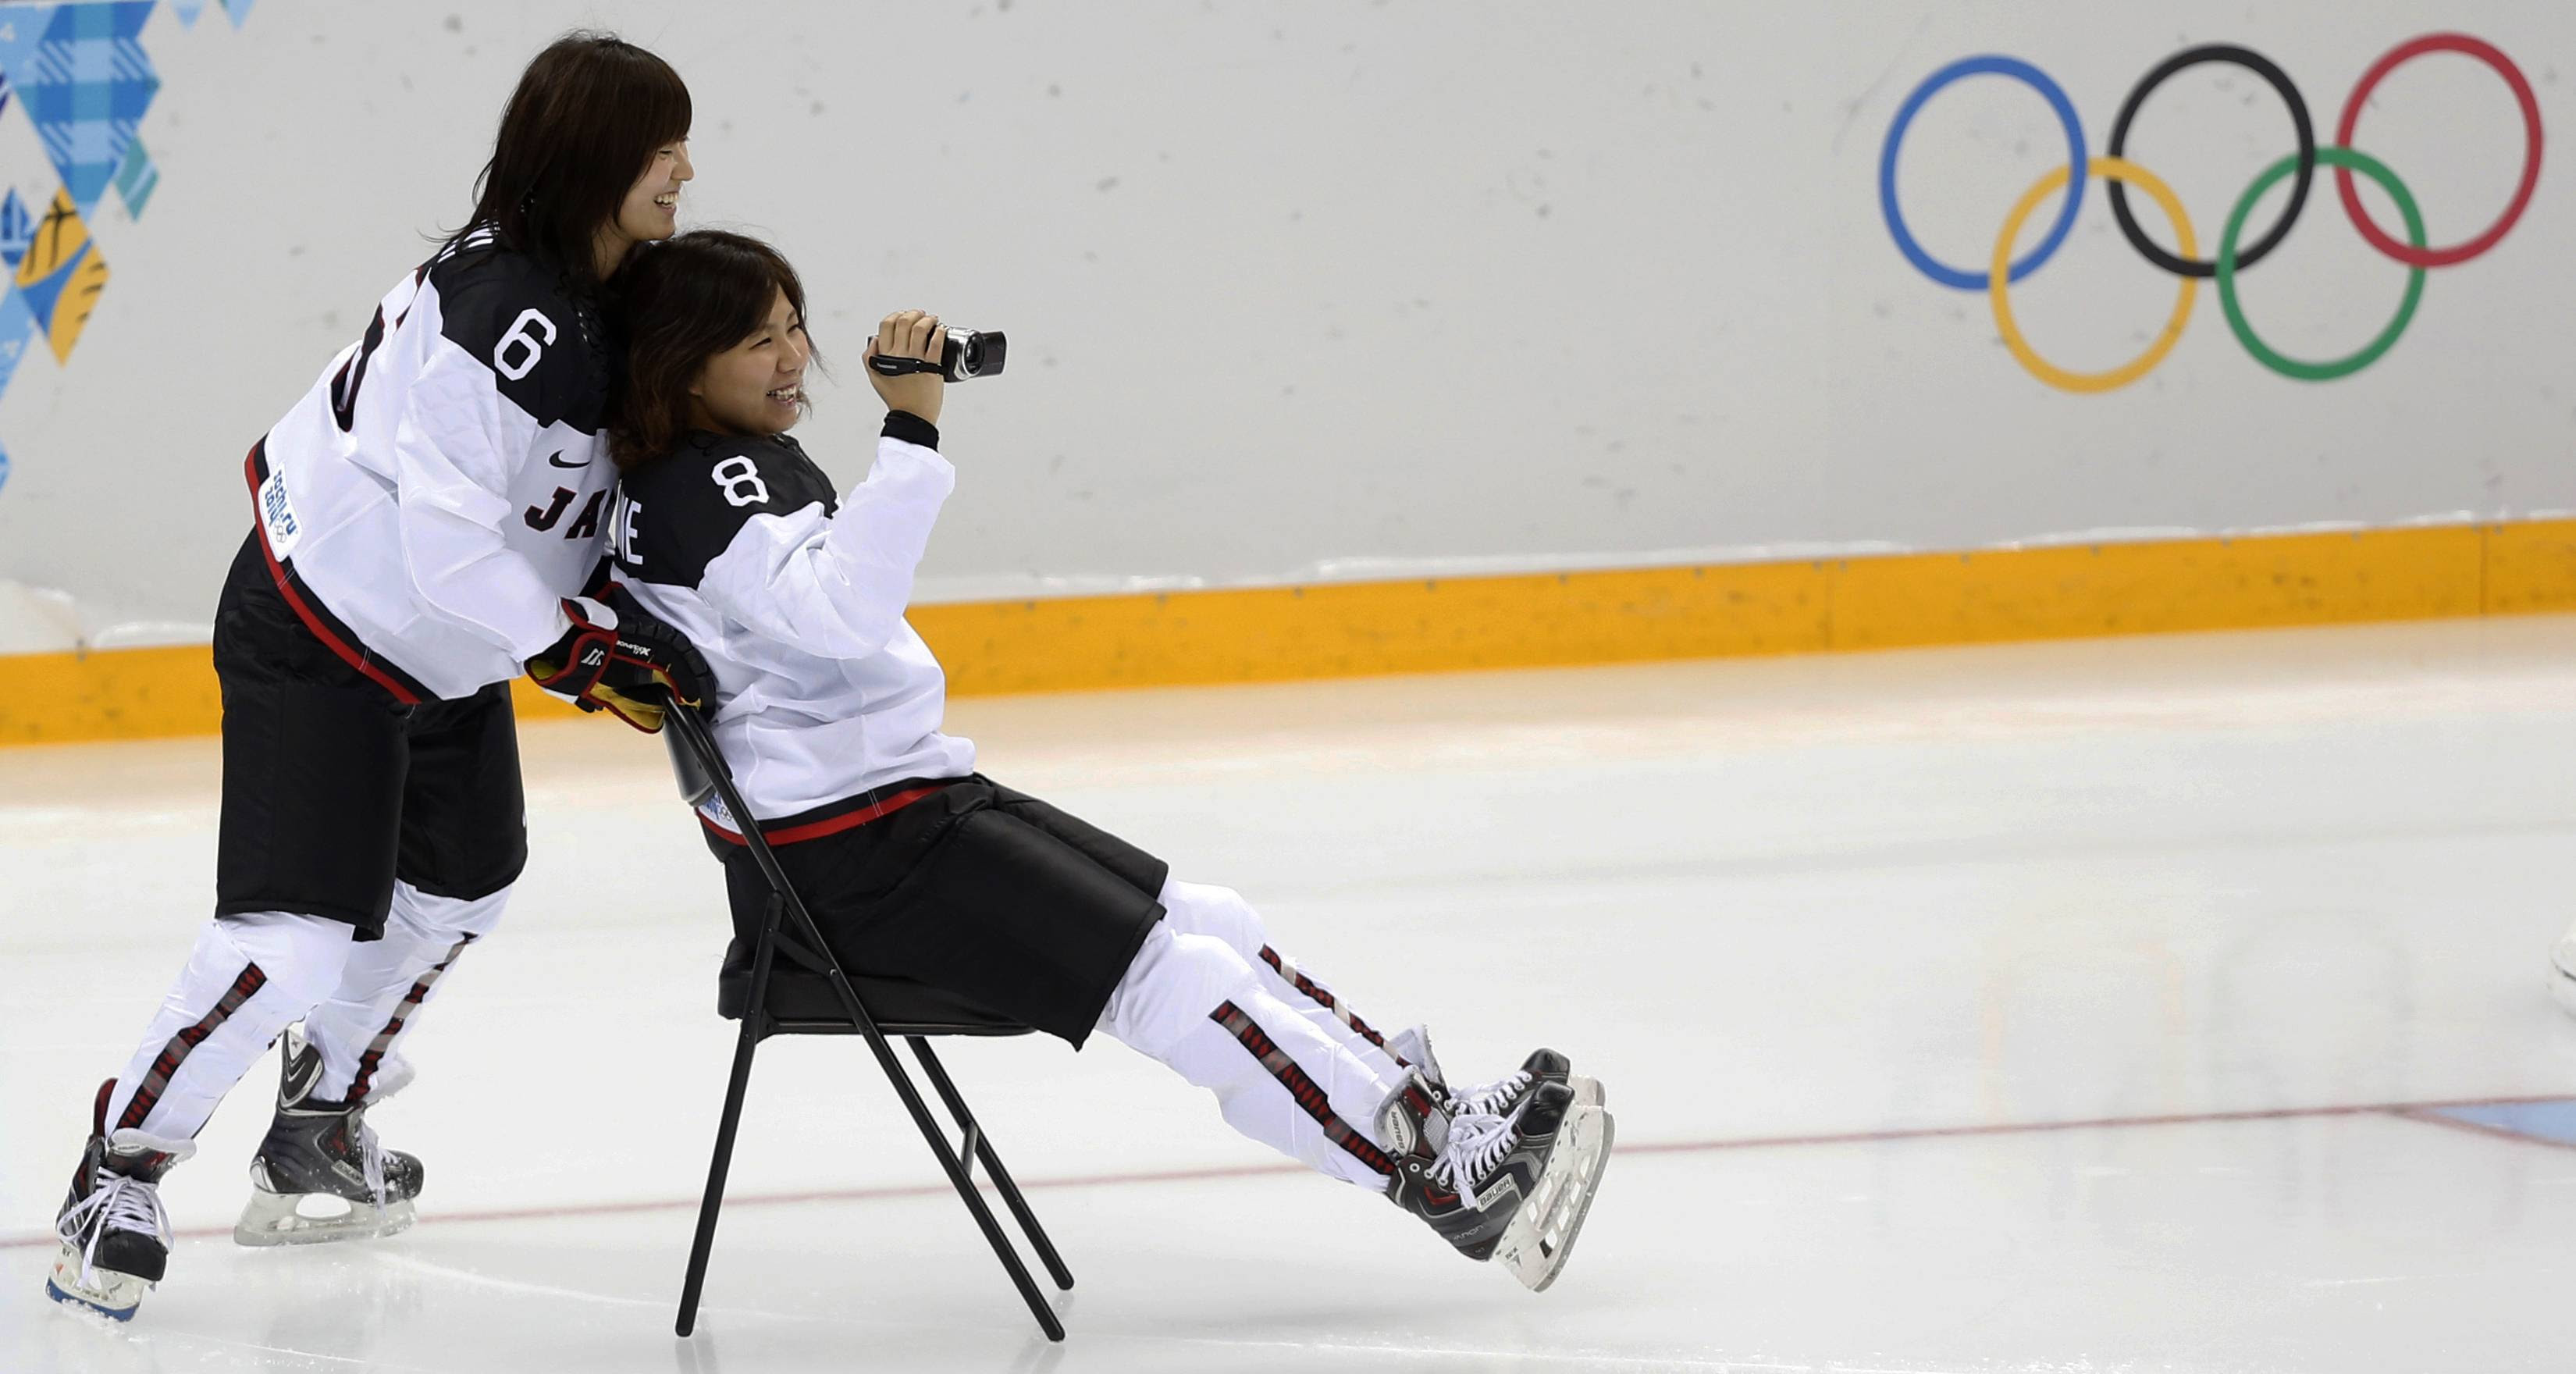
column 558, row 461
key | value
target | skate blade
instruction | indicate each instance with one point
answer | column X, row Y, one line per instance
column 281, row 1219
column 114, row 1297
column 1587, row 1091
column 1540, row 1238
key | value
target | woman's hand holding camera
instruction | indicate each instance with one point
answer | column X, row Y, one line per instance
column 910, row 334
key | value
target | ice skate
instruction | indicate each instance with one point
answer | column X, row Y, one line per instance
column 1492, row 1185
column 2562, row 971
column 1503, row 1096
column 116, row 1238
column 320, row 1174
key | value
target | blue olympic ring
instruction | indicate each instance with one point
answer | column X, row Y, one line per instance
column 2028, row 75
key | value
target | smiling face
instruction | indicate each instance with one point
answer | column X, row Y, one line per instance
column 651, row 210
column 758, row 385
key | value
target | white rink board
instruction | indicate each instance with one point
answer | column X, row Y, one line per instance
column 1348, row 290
column 1840, row 935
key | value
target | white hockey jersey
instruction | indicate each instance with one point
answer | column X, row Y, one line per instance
column 824, row 692
column 444, row 484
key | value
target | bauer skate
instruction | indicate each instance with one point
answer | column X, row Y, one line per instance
column 1514, row 1187
column 116, row 1238
column 1503, row 1096
column 320, row 1174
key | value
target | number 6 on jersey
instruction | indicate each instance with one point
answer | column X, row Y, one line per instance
column 518, row 335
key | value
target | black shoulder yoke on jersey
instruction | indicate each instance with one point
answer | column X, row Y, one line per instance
column 546, row 345
column 682, row 509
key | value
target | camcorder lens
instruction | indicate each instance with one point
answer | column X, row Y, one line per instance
column 970, row 353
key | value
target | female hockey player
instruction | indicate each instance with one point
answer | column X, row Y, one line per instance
column 425, row 522
column 828, row 706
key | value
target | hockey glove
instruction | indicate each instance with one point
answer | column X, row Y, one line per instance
column 617, row 657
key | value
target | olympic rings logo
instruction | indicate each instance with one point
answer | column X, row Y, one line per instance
column 2232, row 254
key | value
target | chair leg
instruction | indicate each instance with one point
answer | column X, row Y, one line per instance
column 964, row 1183
column 755, row 1024
column 713, row 1202
column 992, row 1163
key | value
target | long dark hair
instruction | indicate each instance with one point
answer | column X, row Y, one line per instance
column 589, row 114
column 684, row 301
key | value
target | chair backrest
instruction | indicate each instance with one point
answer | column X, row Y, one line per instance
column 696, row 786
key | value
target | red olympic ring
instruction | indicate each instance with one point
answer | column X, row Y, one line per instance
column 2503, row 65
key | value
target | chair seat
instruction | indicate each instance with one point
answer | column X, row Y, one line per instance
column 804, row 1003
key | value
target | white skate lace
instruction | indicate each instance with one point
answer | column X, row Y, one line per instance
column 371, row 1160
column 394, row 1075
column 1491, row 1099
column 1477, row 1142
column 119, row 1203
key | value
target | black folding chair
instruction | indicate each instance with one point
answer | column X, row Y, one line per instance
column 816, row 998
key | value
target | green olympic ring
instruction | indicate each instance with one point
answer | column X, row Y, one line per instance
column 2264, row 353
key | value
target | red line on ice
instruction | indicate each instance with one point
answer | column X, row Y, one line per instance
column 2404, row 1111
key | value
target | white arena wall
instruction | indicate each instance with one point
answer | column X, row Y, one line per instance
column 1332, row 291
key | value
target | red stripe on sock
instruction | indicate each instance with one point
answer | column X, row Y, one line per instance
column 1323, row 997
column 376, row 1049
column 147, row 1094
column 1302, row 1088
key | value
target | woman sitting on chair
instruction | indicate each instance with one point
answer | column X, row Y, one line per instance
column 828, row 709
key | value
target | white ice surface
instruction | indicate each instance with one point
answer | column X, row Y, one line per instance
column 1836, row 932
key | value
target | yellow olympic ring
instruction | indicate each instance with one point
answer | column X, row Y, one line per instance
column 2109, row 169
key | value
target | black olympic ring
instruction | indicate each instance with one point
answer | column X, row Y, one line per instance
column 2279, row 81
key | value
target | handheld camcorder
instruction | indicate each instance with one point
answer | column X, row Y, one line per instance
column 967, row 353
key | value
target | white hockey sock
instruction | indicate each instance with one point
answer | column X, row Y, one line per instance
column 1193, row 1003
column 1202, row 909
column 385, row 985
column 246, row 980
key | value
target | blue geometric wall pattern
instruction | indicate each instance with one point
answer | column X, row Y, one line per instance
column 80, row 72
column 17, row 228
column 22, row 28
column 17, row 322
column 135, row 180
column 17, row 330
column 87, row 85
